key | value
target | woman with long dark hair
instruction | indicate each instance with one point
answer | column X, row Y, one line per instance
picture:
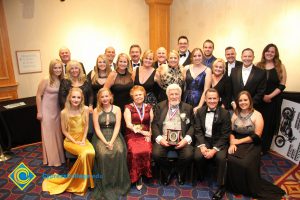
column 276, row 80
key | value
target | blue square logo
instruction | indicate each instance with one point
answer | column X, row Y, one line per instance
column 22, row 176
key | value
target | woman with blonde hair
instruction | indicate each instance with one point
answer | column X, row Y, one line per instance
column 220, row 81
column 74, row 124
column 75, row 77
column 167, row 74
column 144, row 76
column 276, row 80
column 48, row 113
column 110, row 147
column 97, row 77
column 120, row 82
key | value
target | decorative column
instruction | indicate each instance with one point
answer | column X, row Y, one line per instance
column 159, row 23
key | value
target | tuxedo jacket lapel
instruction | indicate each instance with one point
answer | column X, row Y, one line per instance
column 251, row 75
column 240, row 77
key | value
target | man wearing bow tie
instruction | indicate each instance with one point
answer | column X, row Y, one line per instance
column 212, row 129
column 184, row 53
column 135, row 52
column 172, row 130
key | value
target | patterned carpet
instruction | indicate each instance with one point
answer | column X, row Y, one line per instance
column 274, row 168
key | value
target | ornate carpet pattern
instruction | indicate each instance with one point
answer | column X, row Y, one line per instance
column 274, row 168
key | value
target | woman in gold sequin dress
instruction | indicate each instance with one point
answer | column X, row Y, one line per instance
column 74, row 122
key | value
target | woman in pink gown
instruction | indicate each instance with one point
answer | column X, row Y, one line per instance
column 138, row 117
column 48, row 113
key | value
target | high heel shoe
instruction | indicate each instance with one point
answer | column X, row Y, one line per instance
column 139, row 184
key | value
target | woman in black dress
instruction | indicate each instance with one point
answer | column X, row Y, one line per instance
column 220, row 82
column 243, row 171
column 144, row 76
column 276, row 80
column 75, row 78
column 120, row 82
column 97, row 77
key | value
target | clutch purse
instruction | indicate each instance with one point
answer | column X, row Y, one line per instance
column 173, row 136
column 138, row 127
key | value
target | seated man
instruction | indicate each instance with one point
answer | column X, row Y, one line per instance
column 172, row 130
column 212, row 129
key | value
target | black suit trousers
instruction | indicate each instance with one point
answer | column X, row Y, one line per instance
column 185, row 157
column 220, row 160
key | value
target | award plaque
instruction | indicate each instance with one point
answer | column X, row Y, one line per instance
column 173, row 136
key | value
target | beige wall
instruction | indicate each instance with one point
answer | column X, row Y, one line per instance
column 242, row 24
column 85, row 26
column 88, row 26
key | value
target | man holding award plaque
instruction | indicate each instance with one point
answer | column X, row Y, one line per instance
column 172, row 130
column 212, row 129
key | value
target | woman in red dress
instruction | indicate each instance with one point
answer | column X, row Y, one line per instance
column 138, row 117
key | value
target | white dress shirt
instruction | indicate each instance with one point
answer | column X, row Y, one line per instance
column 182, row 59
column 245, row 73
column 230, row 67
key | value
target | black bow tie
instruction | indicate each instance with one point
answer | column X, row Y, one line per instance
column 136, row 65
column 210, row 111
column 182, row 55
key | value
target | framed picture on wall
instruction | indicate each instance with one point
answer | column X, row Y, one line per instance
column 29, row 61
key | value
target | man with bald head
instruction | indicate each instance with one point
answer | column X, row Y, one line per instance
column 65, row 56
column 110, row 54
column 161, row 56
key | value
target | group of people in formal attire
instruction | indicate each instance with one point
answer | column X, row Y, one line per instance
column 122, row 116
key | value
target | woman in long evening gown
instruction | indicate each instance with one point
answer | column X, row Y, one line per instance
column 197, row 79
column 271, row 106
column 97, row 77
column 243, row 169
column 138, row 117
column 220, row 81
column 110, row 147
column 144, row 76
column 74, row 122
column 48, row 113
column 167, row 74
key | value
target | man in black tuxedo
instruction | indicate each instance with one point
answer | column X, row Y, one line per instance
column 183, row 49
column 135, row 52
column 161, row 56
column 173, row 130
column 231, row 63
column 212, row 129
column 65, row 56
column 250, row 78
